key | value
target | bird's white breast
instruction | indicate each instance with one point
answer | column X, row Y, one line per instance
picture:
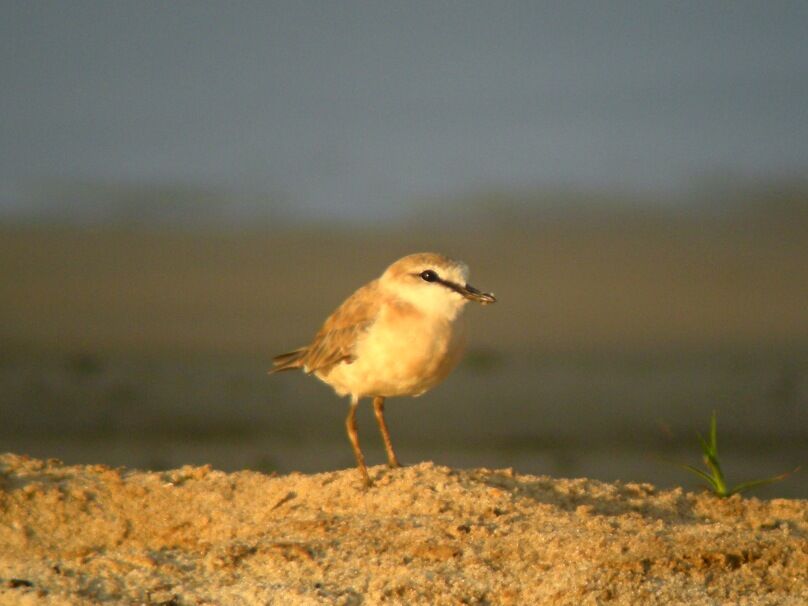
column 404, row 352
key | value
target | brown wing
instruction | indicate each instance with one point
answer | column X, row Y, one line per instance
column 288, row 361
column 336, row 340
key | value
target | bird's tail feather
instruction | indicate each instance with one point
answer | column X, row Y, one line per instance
column 288, row 361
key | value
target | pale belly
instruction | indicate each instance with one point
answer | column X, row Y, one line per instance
column 400, row 360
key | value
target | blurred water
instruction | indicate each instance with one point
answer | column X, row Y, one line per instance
column 608, row 416
column 609, row 347
column 353, row 112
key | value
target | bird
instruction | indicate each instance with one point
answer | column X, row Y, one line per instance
column 398, row 335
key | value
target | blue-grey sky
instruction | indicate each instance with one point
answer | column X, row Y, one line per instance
column 348, row 109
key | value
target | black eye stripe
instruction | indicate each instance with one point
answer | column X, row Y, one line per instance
column 429, row 275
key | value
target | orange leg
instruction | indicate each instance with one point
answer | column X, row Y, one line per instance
column 353, row 436
column 378, row 408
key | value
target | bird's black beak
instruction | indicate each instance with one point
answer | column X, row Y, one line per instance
column 471, row 293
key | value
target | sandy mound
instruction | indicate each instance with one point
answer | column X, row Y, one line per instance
column 422, row 534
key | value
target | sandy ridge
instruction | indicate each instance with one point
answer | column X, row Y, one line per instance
column 422, row 534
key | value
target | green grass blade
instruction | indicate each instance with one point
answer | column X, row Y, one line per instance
column 715, row 478
column 717, row 474
column 705, row 447
column 707, row 478
column 714, row 435
column 744, row 486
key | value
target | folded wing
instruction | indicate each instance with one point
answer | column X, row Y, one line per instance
column 335, row 343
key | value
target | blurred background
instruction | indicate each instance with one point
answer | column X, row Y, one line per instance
column 189, row 188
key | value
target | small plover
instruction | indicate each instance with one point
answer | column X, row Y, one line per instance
column 398, row 335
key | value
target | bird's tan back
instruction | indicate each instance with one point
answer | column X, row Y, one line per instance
column 335, row 342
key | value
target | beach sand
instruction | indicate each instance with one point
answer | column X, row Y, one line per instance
column 422, row 534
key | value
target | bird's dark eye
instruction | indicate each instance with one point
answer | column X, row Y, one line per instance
column 428, row 275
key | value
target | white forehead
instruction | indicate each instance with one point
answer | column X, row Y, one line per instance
column 403, row 279
column 446, row 268
column 456, row 272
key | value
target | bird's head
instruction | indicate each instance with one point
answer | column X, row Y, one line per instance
column 433, row 283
